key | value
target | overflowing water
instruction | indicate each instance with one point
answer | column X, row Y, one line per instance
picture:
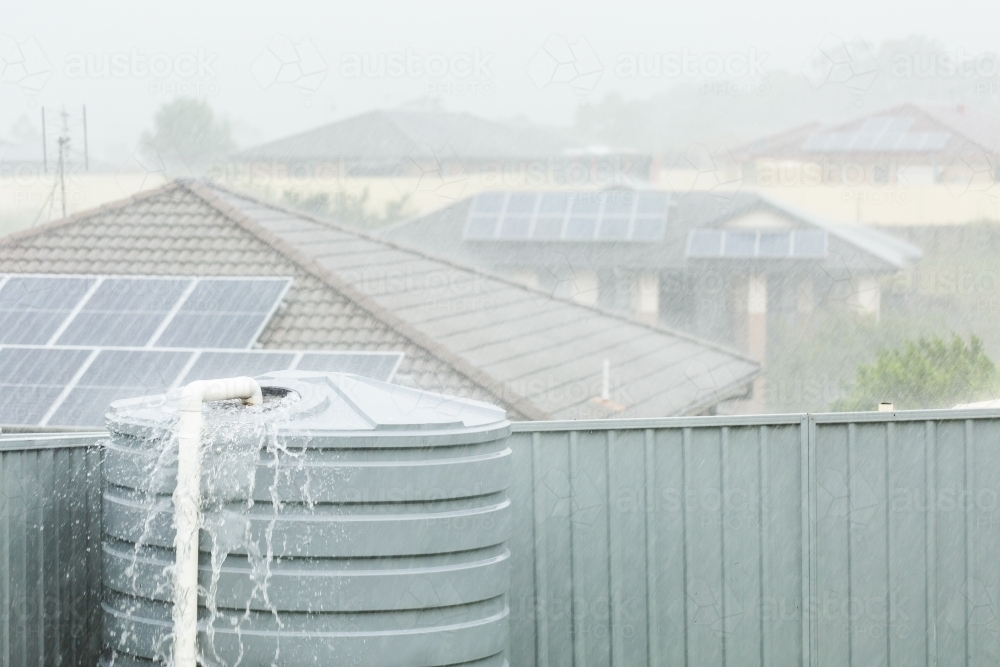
column 244, row 460
column 343, row 521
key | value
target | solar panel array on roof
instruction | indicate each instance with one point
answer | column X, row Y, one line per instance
column 70, row 345
column 609, row 216
column 756, row 243
column 73, row 386
column 884, row 134
column 136, row 311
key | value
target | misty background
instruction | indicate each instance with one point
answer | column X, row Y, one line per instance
column 218, row 54
column 145, row 94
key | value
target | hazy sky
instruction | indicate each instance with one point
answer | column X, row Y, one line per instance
column 275, row 68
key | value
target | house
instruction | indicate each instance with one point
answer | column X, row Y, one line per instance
column 461, row 331
column 413, row 142
column 718, row 266
column 911, row 144
column 386, row 165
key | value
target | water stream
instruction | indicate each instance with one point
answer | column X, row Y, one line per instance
column 239, row 445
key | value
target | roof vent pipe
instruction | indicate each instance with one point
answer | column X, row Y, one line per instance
column 187, row 504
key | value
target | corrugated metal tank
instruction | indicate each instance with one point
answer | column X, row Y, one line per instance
column 371, row 528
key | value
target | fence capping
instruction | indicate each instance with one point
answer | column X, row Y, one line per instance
column 780, row 419
column 16, row 442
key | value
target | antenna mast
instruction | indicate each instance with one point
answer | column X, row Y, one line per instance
column 63, row 147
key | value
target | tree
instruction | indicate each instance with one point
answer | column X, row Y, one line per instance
column 926, row 373
column 188, row 127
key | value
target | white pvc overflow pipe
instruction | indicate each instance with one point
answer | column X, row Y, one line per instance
column 187, row 505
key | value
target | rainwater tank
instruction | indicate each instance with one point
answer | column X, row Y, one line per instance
column 346, row 522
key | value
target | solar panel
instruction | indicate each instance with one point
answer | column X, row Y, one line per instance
column 761, row 243
column 517, row 216
column 515, row 227
column 223, row 313
column 580, row 228
column 775, row 244
column 115, row 374
column 32, row 308
column 125, row 336
column 520, row 203
column 608, row 216
column 809, row 243
column 884, row 134
column 32, row 379
column 616, row 217
column 210, row 365
column 613, row 229
column 73, row 386
column 552, row 211
column 124, row 311
column 489, row 202
column 705, row 243
column 740, row 244
column 135, row 311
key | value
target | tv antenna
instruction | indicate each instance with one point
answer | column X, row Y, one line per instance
column 68, row 158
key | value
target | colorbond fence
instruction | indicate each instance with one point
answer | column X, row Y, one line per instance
column 50, row 550
column 848, row 539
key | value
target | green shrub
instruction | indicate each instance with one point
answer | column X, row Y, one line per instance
column 927, row 373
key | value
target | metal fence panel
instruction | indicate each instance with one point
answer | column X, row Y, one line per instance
column 50, row 550
column 781, row 540
column 766, row 540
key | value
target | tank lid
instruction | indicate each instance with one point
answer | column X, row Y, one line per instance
column 339, row 404
column 385, row 406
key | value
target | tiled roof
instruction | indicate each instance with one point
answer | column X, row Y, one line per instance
column 549, row 350
column 463, row 332
column 978, row 132
column 859, row 248
column 400, row 135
